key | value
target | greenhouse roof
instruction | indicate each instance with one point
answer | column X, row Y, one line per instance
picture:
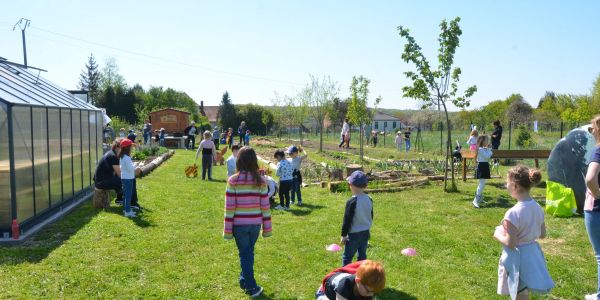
column 21, row 86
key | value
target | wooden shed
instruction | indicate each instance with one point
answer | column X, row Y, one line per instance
column 172, row 120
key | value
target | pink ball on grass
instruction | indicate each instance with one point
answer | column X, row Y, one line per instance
column 409, row 252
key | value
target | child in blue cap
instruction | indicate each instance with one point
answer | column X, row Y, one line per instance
column 358, row 218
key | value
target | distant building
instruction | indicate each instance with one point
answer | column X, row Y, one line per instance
column 172, row 120
column 211, row 112
column 385, row 122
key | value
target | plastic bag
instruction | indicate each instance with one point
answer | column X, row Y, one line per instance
column 560, row 200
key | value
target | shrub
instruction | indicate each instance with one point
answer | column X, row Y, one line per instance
column 524, row 137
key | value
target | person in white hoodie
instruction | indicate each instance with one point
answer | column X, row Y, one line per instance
column 127, row 176
column 484, row 153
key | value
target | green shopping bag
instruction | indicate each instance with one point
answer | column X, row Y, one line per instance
column 560, row 200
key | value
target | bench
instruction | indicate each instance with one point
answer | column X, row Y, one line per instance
column 179, row 140
column 511, row 154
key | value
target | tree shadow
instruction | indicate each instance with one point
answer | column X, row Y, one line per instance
column 498, row 185
column 37, row 247
column 305, row 209
column 391, row 293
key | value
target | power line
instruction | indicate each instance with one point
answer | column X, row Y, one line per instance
column 166, row 59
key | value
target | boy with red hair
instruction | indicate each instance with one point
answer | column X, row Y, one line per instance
column 359, row 280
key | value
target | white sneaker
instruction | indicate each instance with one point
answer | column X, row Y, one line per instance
column 591, row 297
column 130, row 214
column 475, row 203
column 279, row 207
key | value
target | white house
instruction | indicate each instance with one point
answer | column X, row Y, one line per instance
column 385, row 122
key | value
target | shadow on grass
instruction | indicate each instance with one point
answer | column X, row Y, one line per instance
column 138, row 220
column 502, row 202
column 498, row 185
column 37, row 247
column 390, row 293
column 305, row 209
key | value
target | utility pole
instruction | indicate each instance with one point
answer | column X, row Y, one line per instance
column 23, row 23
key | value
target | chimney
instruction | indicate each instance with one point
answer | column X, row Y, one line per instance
column 202, row 108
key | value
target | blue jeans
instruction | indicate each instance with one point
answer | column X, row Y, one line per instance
column 592, row 224
column 127, row 193
column 407, row 142
column 357, row 242
column 245, row 238
column 296, row 185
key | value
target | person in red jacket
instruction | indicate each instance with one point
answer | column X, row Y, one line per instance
column 359, row 280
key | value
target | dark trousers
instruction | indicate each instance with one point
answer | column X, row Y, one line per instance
column 296, row 186
column 216, row 141
column 114, row 183
column 207, row 162
column 495, row 145
column 284, row 192
column 357, row 242
column 191, row 140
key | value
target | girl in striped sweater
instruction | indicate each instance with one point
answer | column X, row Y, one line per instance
column 246, row 209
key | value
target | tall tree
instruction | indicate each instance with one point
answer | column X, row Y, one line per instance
column 596, row 94
column 89, row 79
column 519, row 112
column 227, row 114
column 111, row 76
column 358, row 111
column 297, row 108
column 322, row 93
column 437, row 87
column 338, row 111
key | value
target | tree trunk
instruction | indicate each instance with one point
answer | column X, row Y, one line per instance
column 361, row 140
column 321, row 137
column 301, row 136
column 448, row 157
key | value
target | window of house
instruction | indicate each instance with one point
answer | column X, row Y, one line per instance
column 376, row 125
column 385, row 124
column 394, row 125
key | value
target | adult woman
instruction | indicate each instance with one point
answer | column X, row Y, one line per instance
column 247, row 207
column 591, row 207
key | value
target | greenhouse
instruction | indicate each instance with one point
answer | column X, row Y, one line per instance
column 50, row 144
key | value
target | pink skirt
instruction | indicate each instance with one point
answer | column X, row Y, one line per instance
column 473, row 147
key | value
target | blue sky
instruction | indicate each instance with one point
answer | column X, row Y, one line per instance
column 256, row 48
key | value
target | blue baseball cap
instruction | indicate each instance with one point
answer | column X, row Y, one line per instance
column 358, row 178
column 292, row 149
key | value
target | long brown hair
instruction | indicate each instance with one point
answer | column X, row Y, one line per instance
column 482, row 139
column 247, row 162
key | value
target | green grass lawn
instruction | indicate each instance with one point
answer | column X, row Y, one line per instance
column 174, row 249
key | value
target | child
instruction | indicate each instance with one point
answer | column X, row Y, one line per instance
column 285, row 173
column 484, row 153
column 246, row 209
column 358, row 218
column 127, row 176
column 399, row 141
column 216, row 135
column 472, row 142
column 271, row 184
column 231, row 161
column 230, row 137
column 132, row 136
column 208, row 154
column 161, row 137
column 247, row 138
column 407, row 139
column 374, row 138
column 296, row 161
column 360, row 280
column 122, row 134
column 522, row 266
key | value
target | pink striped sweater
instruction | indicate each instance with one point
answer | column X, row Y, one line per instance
column 246, row 204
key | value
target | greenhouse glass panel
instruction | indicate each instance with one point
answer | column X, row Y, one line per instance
column 85, row 147
column 54, row 153
column 40, row 166
column 5, row 212
column 93, row 144
column 77, row 174
column 99, row 123
column 67, row 154
column 23, row 152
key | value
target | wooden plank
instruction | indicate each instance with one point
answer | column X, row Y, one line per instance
column 522, row 154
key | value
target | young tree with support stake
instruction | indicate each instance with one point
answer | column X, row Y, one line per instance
column 322, row 92
column 437, row 87
column 358, row 112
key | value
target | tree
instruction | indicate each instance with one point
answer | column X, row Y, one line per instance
column 437, row 87
column 89, row 79
column 111, row 76
column 358, row 112
column 253, row 114
column 519, row 112
column 297, row 110
column 338, row 111
column 227, row 114
column 320, row 99
column 596, row 94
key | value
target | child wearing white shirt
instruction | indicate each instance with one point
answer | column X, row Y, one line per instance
column 484, row 153
column 127, row 176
